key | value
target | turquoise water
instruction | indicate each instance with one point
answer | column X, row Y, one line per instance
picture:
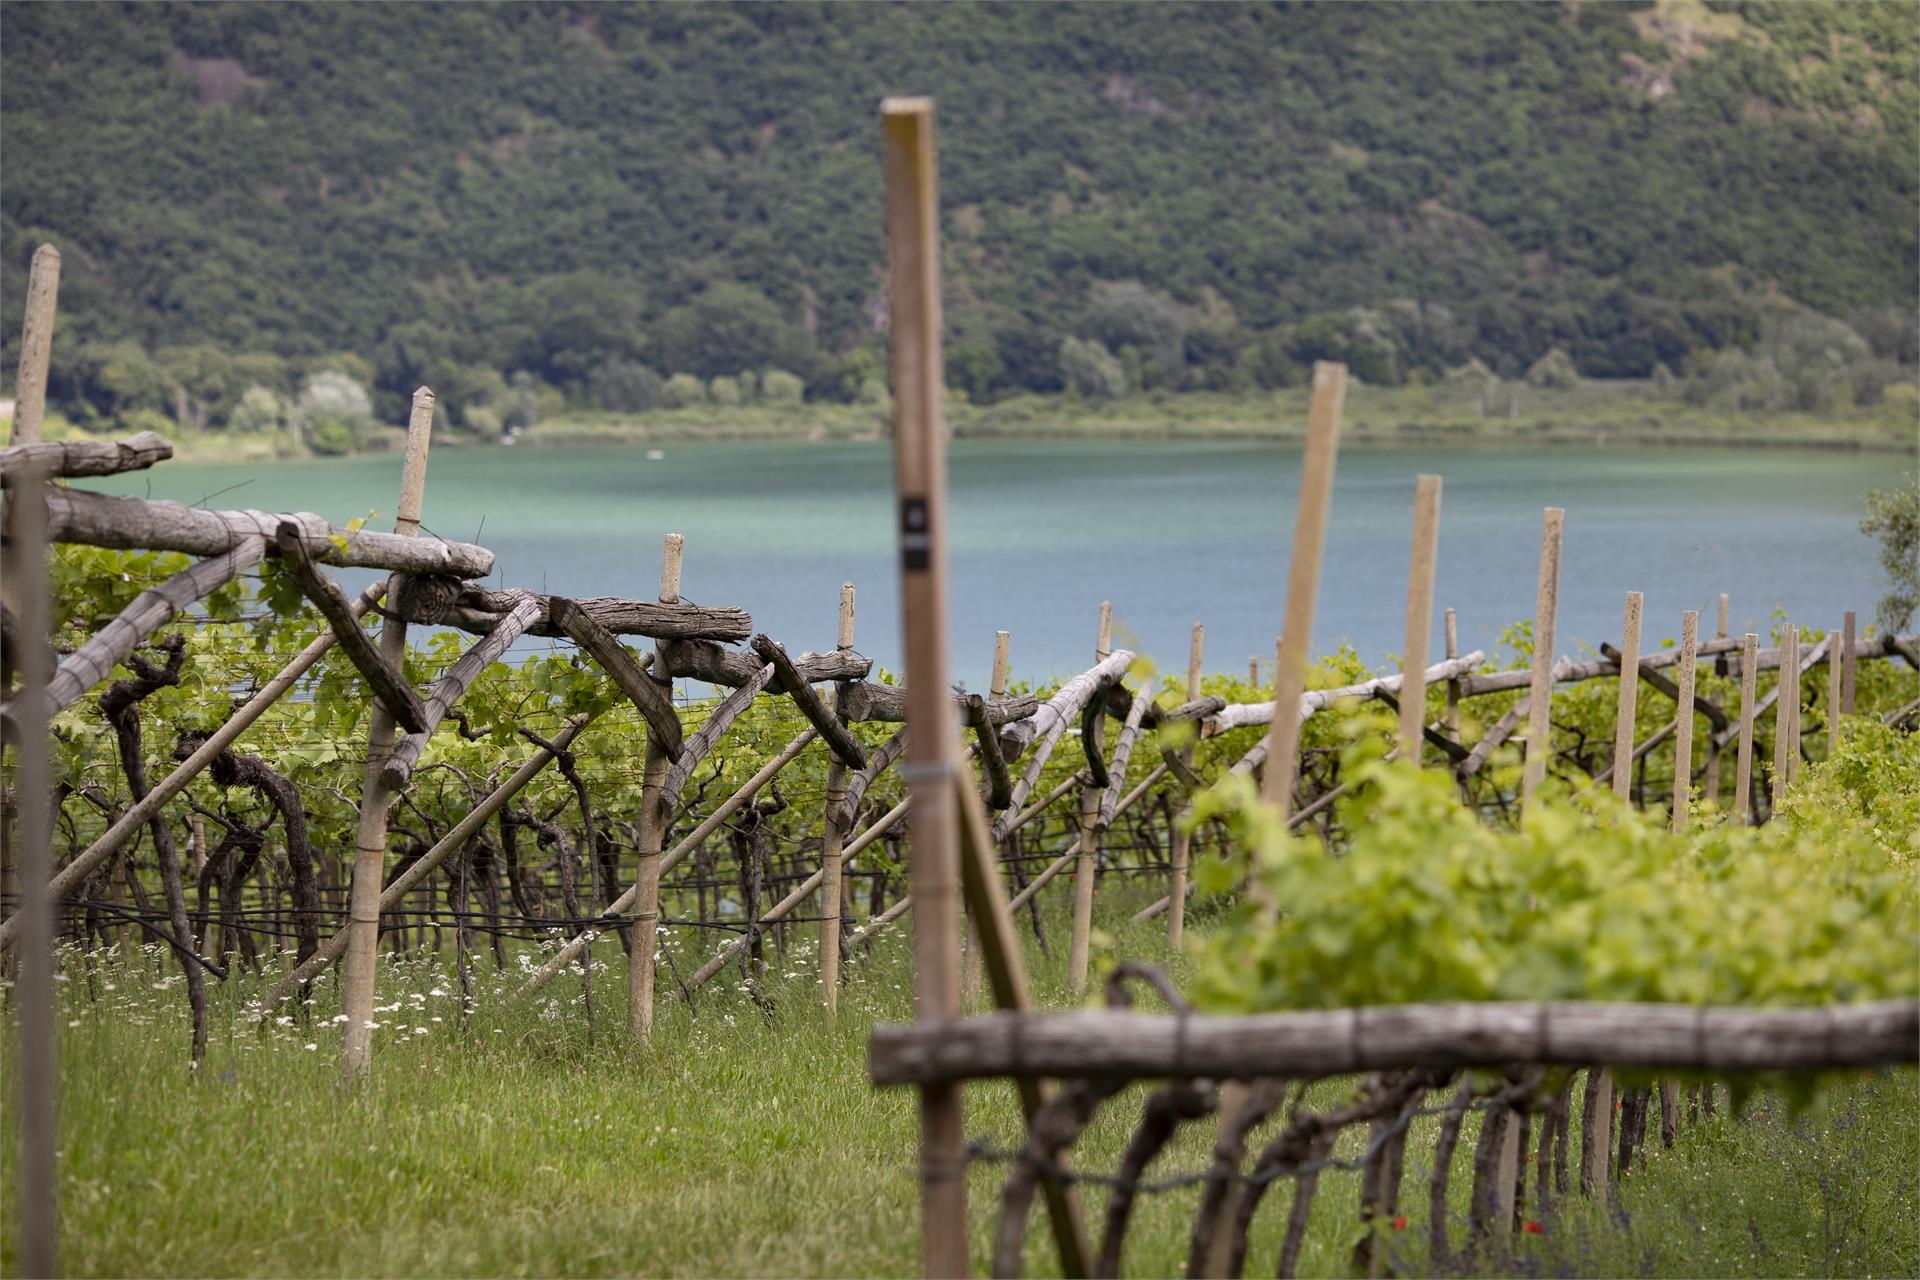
column 1042, row 532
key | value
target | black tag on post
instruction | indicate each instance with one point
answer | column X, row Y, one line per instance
column 915, row 539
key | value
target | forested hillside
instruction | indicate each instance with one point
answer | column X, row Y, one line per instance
column 592, row 198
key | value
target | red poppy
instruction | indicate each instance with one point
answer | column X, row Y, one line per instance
column 1399, row 1224
column 1531, row 1227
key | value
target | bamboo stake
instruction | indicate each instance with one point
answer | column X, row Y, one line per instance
column 1182, row 834
column 35, row 1176
column 1540, row 699
column 1090, row 797
column 653, row 824
column 1683, row 707
column 833, row 839
column 370, row 848
column 919, row 452
column 1628, row 698
column 1743, row 766
column 1413, row 663
column 1710, row 785
column 1847, row 634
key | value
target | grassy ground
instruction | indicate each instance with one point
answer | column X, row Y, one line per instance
column 534, row 1141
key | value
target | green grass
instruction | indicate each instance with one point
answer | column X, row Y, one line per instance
column 533, row 1142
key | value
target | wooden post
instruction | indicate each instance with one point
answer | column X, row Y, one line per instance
column 36, row 346
column 919, row 468
column 1848, row 637
column 1743, row 763
column 1710, row 784
column 1540, row 696
column 1253, row 671
column 1413, row 663
column 35, row 1177
column 1290, row 678
column 1628, row 700
column 1833, row 692
column 1303, row 586
column 653, row 827
column 1683, row 707
column 29, row 405
column 1090, row 796
column 1453, row 686
column 370, row 849
column 1182, row 837
column 1784, row 702
column 970, row 973
column 1796, row 714
column 834, row 839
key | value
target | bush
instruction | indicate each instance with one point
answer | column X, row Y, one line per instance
column 683, row 391
column 724, row 391
column 625, row 386
column 1090, row 369
column 1553, row 371
column 334, row 413
column 260, row 412
column 777, row 386
column 333, row 437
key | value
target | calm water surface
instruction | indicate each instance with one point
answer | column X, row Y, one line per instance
column 1042, row 532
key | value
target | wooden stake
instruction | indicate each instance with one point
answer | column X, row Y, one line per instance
column 1783, row 706
column 919, row 457
column 1710, row 784
column 1303, row 583
column 1743, row 765
column 1413, row 663
column 1453, row 686
column 1628, row 699
column 653, row 828
column 36, row 345
column 1848, row 635
column 35, row 1177
column 1796, row 714
column 1090, row 797
column 1182, row 837
column 1833, row 692
column 1540, row 699
column 834, row 839
column 996, row 688
column 370, row 849
column 1683, row 709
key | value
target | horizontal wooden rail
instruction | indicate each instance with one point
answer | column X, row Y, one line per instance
column 85, row 457
column 480, row 611
column 77, row 515
column 1118, row 1043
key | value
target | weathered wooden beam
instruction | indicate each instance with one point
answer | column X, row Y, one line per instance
column 77, row 515
column 450, row 687
column 878, row 762
column 647, row 696
column 1049, row 722
column 706, row 661
column 477, row 610
column 85, row 457
column 987, row 740
column 702, row 740
column 1715, row 716
column 1502, row 730
column 838, row 738
column 1238, row 715
column 1122, row 755
column 887, row 704
column 1107, row 1043
column 145, row 614
column 386, row 681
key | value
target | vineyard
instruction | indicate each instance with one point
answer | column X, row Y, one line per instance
column 1382, row 940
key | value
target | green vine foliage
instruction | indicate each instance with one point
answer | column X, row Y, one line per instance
column 1583, row 899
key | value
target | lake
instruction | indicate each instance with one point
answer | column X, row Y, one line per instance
column 1042, row 532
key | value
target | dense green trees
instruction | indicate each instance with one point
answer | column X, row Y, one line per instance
column 604, row 196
